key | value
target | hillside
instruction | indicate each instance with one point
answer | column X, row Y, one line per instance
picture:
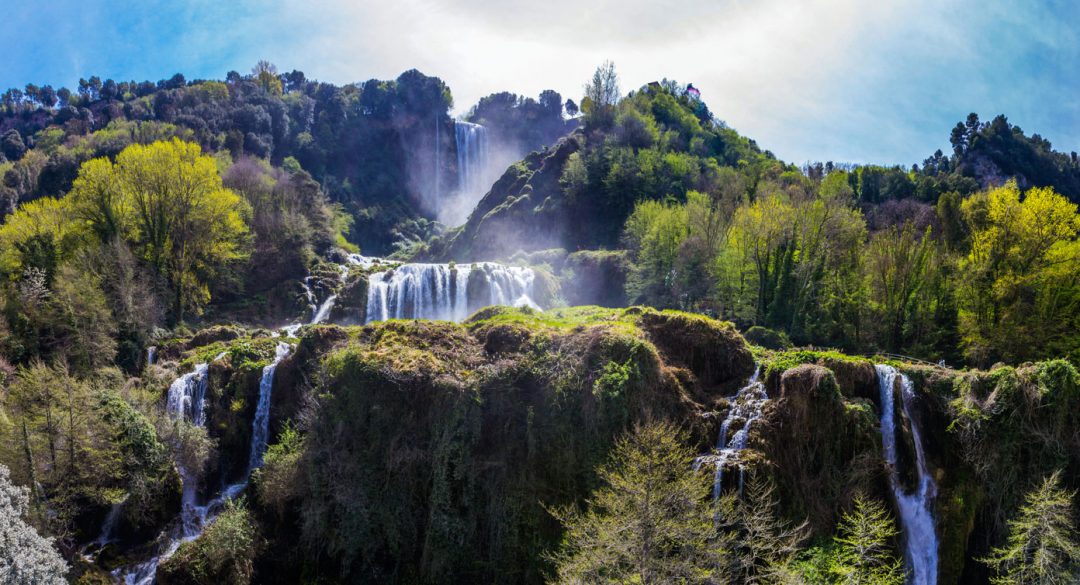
column 241, row 341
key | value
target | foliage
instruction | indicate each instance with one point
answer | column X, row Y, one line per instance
column 864, row 539
column 168, row 202
column 224, row 553
column 1021, row 290
column 766, row 546
column 25, row 557
column 1042, row 547
column 650, row 522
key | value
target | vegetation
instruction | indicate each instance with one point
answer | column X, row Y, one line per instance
column 25, row 557
column 1042, row 545
column 652, row 522
column 575, row 444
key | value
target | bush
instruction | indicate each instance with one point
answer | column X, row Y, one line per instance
column 767, row 338
column 224, row 553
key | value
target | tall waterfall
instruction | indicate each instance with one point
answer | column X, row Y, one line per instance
column 472, row 152
column 260, row 426
column 446, row 292
column 916, row 513
column 745, row 407
column 185, row 402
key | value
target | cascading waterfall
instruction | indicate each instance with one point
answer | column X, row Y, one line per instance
column 151, row 355
column 472, row 151
column 441, row 291
column 745, row 407
column 107, row 527
column 916, row 508
column 260, row 426
column 185, row 402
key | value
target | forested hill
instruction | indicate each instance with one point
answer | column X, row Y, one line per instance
column 382, row 149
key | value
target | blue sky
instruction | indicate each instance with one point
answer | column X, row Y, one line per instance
column 846, row 80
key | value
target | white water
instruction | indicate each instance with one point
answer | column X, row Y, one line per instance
column 916, row 509
column 151, row 355
column 440, row 291
column 185, row 402
column 260, row 425
column 745, row 408
column 109, row 525
column 472, row 153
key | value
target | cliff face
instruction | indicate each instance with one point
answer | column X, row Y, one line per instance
column 431, row 451
column 436, row 447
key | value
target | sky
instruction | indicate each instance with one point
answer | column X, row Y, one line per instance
column 861, row 81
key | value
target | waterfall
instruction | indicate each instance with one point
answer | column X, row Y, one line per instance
column 185, row 402
column 472, row 151
column 151, row 355
column 442, row 291
column 916, row 512
column 745, row 407
column 109, row 525
column 260, row 426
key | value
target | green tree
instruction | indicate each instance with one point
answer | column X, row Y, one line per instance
column 1020, row 286
column 865, row 555
column 167, row 201
column 1043, row 547
column 765, row 546
column 650, row 522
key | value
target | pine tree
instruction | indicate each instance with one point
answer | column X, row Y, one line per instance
column 651, row 522
column 865, row 556
column 1043, row 547
column 766, row 545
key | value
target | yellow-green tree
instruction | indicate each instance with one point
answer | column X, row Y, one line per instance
column 167, row 201
column 1020, row 295
column 40, row 235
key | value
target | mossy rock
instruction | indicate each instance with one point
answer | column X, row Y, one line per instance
column 713, row 350
column 460, row 435
column 350, row 308
column 820, row 447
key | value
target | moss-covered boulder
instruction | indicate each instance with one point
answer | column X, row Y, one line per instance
column 350, row 307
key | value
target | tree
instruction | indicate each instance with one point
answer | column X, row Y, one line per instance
column 765, row 546
column 1020, row 291
column 266, row 76
column 1043, row 547
column 167, row 201
column 602, row 91
column 897, row 261
column 571, row 108
column 25, row 557
column 650, row 522
column 12, row 145
column 865, row 555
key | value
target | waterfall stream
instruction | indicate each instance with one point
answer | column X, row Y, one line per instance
column 745, row 408
column 442, row 291
column 916, row 508
column 186, row 402
column 472, row 152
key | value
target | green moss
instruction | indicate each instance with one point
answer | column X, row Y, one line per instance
column 781, row 362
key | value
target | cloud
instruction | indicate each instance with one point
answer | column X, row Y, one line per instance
column 843, row 80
